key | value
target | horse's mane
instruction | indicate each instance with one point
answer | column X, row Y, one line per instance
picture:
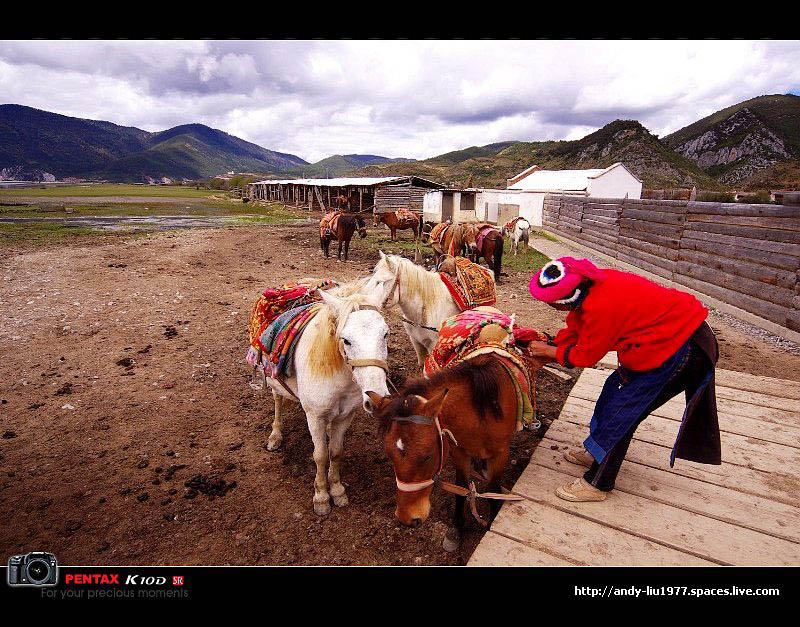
column 324, row 357
column 416, row 279
column 482, row 375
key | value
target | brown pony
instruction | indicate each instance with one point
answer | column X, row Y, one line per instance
column 475, row 403
column 346, row 226
column 390, row 219
column 446, row 237
column 491, row 248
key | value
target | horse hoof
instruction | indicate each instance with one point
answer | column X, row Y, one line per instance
column 274, row 443
column 322, row 509
column 452, row 540
column 341, row 500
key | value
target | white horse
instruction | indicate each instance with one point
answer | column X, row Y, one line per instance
column 423, row 298
column 520, row 233
column 340, row 356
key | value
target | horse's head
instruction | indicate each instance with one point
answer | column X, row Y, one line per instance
column 361, row 333
column 469, row 237
column 383, row 281
column 362, row 226
column 414, row 441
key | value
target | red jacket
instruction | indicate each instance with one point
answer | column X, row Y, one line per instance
column 645, row 323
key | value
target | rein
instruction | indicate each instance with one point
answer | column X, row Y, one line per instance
column 470, row 492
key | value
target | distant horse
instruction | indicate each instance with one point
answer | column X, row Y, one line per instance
column 447, row 239
column 519, row 229
column 342, row 202
column 395, row 223
column 342, row 230
column 490, row 248
column 339, row 357
column 424, row 299
column 467, row 412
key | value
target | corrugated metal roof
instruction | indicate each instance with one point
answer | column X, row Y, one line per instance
column 557, row 180
column 340, row 182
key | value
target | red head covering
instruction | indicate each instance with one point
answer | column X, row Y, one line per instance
column 558, row 280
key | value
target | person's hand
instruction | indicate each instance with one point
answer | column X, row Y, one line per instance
column 542, row 349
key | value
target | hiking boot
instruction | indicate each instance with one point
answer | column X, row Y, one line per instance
column 580, row 457
column 580, row 491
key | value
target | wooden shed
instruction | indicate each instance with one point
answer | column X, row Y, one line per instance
column 376, row 194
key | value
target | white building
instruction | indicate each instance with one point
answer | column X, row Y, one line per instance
column 525, row 194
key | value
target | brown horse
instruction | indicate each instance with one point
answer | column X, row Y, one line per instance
column 447, row 239
column 395, row 223
column 491, row 248
column 344, row 228
column 468, row 413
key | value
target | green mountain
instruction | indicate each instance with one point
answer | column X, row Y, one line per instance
column 737, row 143
column 41, row 144
column 622, row 140
column 339, row 165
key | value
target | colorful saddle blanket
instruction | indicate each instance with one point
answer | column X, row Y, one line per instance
column 509, row 226
column 405, row 214
column 486, row 330
column 329, row 221
column 472, row 286
column 483, row 231
column 438, row 232
column 280, row 337
column 275, row 301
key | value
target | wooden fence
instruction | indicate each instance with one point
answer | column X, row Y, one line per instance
column 744, row 255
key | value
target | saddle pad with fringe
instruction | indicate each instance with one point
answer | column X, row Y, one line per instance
column 280, row 339
column 329, row 221
column 461, row 339
column 405, row 214
column 509, row 227
column 437, row 233
column 272, row 303
column 472, row 286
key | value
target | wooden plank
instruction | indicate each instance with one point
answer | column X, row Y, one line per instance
column 495, row 549
column 640, row 259
column 755, row 383
column 782, row 248
column 701, row 536
column 789, row 406
column 736, row 449
column 740, row 209
column 632, row 227
column 771, row 222
column 740, row 284
column 774, row 235
column 738, row 267
column 731, row 251
column 670, row 254
column 780, row 487
column 648, row 215
column 698, row 497
column 582, row 541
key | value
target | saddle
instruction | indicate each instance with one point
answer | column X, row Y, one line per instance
column 509, row 226
column 486, row 330
column 274, row 302
column 279, row 339
column 470, row 284
column 437, row 235
column 328, row 223
column 405, row 214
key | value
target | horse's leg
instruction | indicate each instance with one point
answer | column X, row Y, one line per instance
column 276, row 437
column 347, row 246
column 494, row 472
column 463, row 464
column 335, row 445
column 322, row 499
column 421, row 351
column 339, row 254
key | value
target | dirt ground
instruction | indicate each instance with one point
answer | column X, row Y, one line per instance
column 123, row 380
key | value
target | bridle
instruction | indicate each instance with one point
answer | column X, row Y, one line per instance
column 396, row 286
column 363, row 363
column 470, row 492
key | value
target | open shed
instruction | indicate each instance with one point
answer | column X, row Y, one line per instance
column 376, row 194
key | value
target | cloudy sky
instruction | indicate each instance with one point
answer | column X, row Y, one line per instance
column 394, row 98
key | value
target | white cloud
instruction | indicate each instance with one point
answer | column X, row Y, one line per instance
column 395, row 98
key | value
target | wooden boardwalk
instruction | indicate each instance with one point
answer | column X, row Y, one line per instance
column 744, row 512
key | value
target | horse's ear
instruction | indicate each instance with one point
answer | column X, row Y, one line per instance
column 383, row 256
column 376, row 399
column 329, row 299
column 434, row 404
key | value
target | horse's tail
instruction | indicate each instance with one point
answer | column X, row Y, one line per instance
column 498, row 257
column 421, row 225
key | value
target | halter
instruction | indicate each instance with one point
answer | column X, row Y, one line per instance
column 363, row 363
column 471, row 493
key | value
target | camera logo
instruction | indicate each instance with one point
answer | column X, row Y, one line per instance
column 33, row 569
